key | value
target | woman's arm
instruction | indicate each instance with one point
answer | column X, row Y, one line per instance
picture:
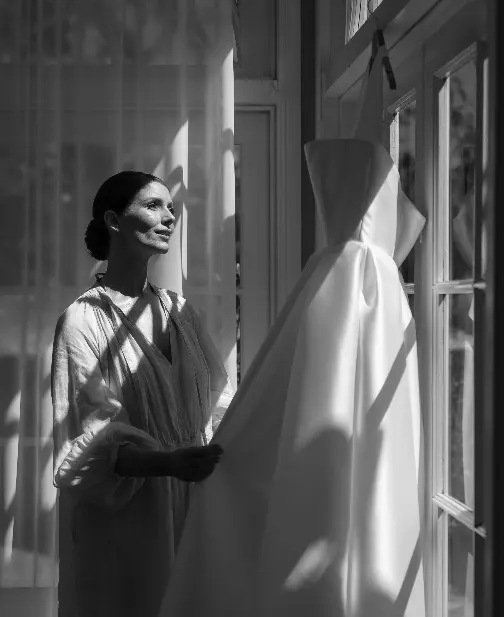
column 187, row 464
column 90, row 424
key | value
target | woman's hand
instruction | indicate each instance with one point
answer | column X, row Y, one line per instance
column 194, row 464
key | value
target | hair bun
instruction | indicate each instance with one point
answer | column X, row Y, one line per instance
column 97, row 239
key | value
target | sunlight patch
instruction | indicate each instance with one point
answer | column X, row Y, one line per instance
column 312, row 565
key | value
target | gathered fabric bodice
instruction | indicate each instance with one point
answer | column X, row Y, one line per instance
column 359, row 197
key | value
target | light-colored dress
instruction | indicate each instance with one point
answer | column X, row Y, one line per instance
column 112, row 386
column 314, row 507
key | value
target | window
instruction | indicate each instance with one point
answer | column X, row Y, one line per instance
column 458, row 298
column 252, row 229
column 438, row 128
column 437, row 137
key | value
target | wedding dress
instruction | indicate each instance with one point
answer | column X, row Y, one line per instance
column 313, row 510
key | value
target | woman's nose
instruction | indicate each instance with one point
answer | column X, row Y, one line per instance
column 168, row 214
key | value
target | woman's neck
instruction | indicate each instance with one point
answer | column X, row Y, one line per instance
column 126, row 276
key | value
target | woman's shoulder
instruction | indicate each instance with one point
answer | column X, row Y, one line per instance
column 79, row 316
column 178, row 304
column 175, row 300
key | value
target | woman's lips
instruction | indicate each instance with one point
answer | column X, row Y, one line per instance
column 165, row 234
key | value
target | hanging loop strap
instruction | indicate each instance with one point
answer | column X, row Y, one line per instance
column 377, row 42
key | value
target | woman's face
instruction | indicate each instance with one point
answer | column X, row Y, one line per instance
column 147, row 223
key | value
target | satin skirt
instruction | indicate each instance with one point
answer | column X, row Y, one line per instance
column 314, row 508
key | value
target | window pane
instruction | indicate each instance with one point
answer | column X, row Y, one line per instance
column 129, row 31
column 461, row 401
column 253, row 60
column 404, row 153
column 411, row 302
column 13, row 230
column 407, row 151
column 462, row 170
column 7, row 32
column 237, row 165
column 486, row 171
column 460, row 570
column 358, row 13
column 238, row 340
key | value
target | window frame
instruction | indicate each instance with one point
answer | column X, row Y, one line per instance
column 424, row 83
column 442, row 287
column 423, row 36
column 393, row 112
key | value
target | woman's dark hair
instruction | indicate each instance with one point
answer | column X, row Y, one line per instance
column 116, row 194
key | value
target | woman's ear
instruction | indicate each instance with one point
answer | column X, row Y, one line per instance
column 111, row 219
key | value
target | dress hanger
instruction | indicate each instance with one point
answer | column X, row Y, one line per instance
column 377, row 42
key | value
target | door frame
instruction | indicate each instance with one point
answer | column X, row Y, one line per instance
column 273, row 206
column 282, row 98
column 493, row 599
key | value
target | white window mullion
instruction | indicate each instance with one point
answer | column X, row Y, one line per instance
column 455, row 509
column 455, row 287
column 480, row 518
column 438, row 529
column 441, row 338
column 424, row 318
column 481, row 131
column 442, row 221
column 479, row 273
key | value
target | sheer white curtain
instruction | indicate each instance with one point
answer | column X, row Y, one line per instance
column 89, row 88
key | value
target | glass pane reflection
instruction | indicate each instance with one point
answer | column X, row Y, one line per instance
column 238, row 339
column 406, row 126
column 357, row 13
column 460, row 570
column 253, row 61
column 462, row 170
column 461, row 402
column 411, row 302
column 237, row 165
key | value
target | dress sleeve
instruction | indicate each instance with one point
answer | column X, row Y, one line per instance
column 221, row 389
column 90, row 423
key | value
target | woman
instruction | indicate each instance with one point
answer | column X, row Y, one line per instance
column 134, row 381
